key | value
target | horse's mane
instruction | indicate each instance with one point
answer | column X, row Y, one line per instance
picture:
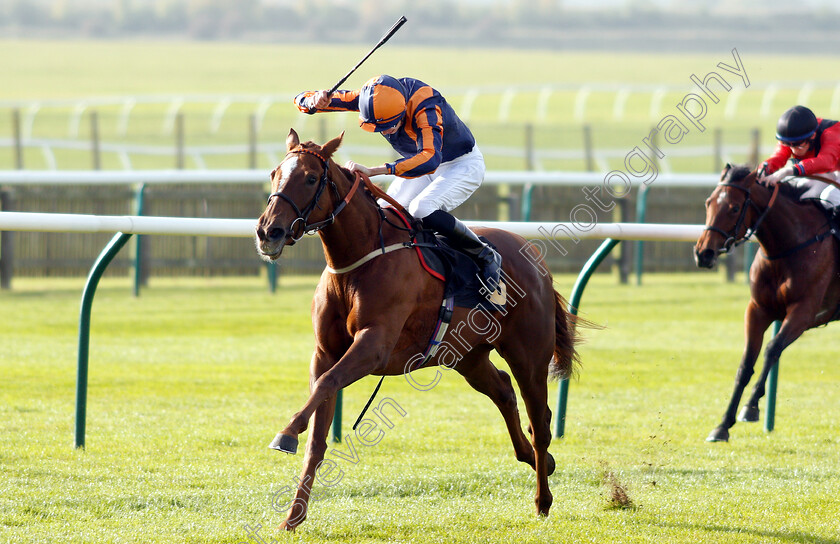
column 790, row 192
column 738, row 172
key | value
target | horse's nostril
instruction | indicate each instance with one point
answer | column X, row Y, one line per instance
column 276, row 233
column 705, row 258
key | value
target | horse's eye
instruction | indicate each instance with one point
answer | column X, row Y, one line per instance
column 311, row 179
column 735, row 208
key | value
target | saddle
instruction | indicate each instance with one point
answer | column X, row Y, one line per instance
column 458, row 271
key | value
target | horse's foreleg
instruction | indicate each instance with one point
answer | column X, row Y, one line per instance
column 755, row 323
column 794, row 324
column 370, row 349
column 315, row 449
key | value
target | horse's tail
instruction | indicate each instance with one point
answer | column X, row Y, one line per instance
column 566, row 360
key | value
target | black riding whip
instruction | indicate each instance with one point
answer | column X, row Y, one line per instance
column 379, row 44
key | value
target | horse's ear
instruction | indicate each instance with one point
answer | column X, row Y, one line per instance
column 329, row 148
column 292, row 140
column 725, row 171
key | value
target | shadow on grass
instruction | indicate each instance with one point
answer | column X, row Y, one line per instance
column 785, row 536
column 46, row 293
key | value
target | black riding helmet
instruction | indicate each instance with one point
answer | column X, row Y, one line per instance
column 796, row 124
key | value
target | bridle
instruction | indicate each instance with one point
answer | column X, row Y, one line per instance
column 730, row 239
column 303, row 216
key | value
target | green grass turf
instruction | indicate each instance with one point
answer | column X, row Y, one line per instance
column 190, row 381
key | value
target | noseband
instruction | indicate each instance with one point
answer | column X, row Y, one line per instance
column 730, row 239
column 303, row 216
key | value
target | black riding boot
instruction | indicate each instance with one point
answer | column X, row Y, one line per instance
column 488, row 259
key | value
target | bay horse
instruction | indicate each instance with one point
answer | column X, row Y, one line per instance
column 794, row 278
column 371, row 315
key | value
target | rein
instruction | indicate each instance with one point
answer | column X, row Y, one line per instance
column 377, row 193
column 303, row 216
column 312, row 228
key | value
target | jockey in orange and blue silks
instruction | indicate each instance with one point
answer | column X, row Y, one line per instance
column 430, row 132
column 808, row 144
column 441, row 166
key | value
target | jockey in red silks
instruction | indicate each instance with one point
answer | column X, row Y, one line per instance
column 811, row 145
column 440, row 164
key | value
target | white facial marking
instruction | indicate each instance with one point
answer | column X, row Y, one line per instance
column 286, row 170
column 721, row 197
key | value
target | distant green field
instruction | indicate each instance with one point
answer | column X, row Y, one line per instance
column 79, row 69
column 189, row 383
column 42, row 71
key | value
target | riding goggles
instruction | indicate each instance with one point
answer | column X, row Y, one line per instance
column 378, row 125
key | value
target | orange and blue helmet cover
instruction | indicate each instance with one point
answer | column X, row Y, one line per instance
column 381, row 103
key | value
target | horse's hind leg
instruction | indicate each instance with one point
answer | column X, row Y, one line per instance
column 485, row 378
column 530, row 368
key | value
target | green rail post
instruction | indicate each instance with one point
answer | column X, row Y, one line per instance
column 139, row 201
column 641, row 211
column 271, row 268
column 749, row 255
column 772, row 385
column 336, row 422
column 577, row 292
column 102, row 262
column 527, row 196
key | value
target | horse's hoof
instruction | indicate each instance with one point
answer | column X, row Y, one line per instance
column 285, row 443
column 543, row 508
column 749, row 414
column 718, row 435
column 549, row 463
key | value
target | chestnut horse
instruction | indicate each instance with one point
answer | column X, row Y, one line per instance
column 373, row 318
column 795, row 277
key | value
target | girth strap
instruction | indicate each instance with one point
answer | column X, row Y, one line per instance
column 803, row 245
column 444, row 318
